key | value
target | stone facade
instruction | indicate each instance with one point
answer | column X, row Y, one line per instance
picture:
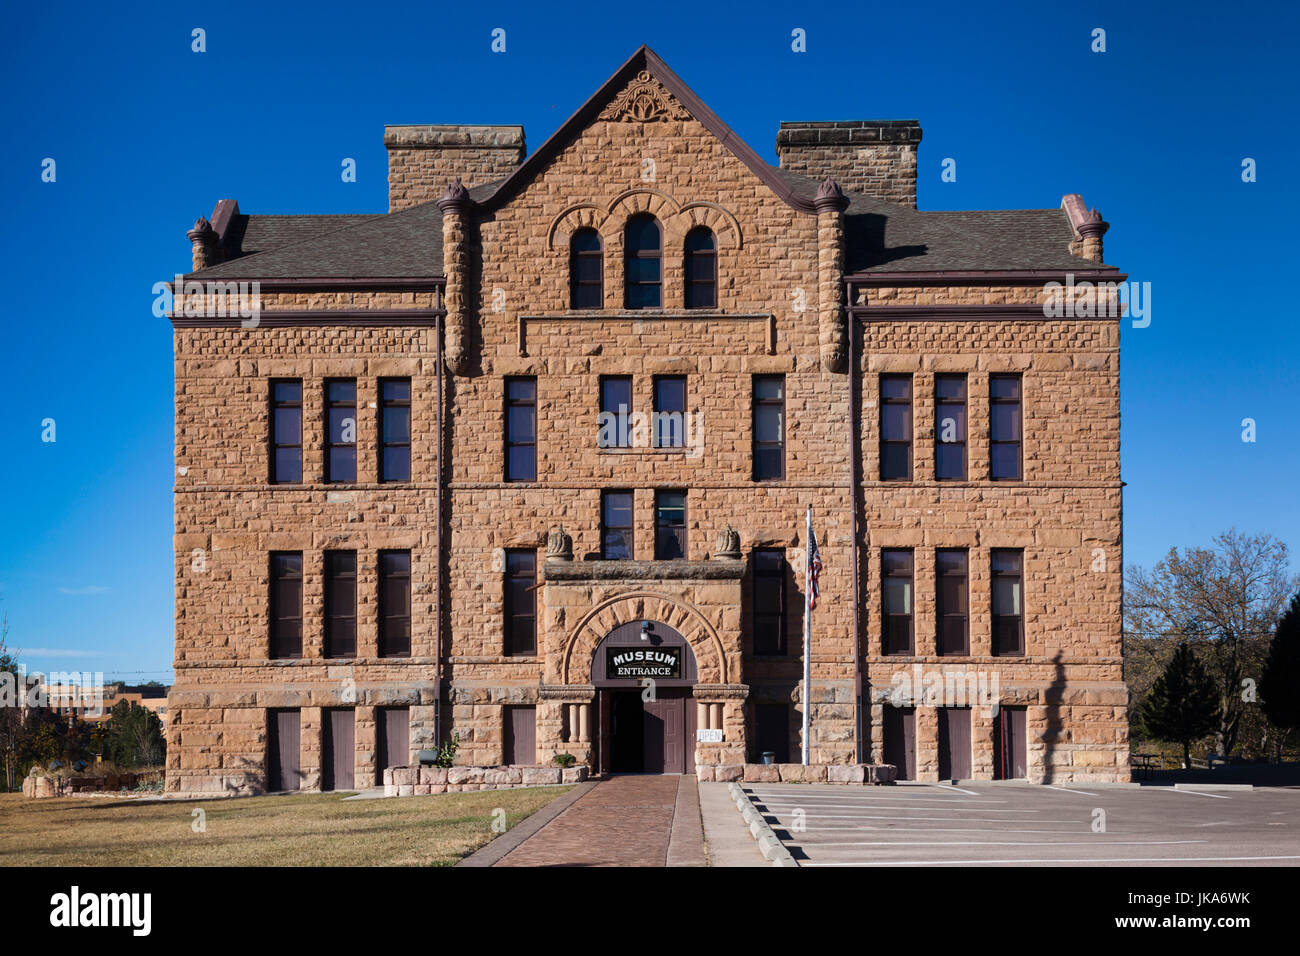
column 784, row 306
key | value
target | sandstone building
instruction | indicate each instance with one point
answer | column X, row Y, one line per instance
column 423, row 492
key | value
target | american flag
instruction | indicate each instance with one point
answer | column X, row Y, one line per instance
column 814, row 568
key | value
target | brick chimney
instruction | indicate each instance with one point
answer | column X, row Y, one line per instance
column 423, row 159
column 874, row 157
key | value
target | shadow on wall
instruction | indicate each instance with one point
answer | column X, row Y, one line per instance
column 1055, row 728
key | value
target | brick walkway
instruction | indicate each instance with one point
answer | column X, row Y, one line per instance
column 623, row 821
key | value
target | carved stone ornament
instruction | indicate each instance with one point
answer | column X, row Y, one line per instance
column 644, row 100
column 728, row 543
column 559, row 545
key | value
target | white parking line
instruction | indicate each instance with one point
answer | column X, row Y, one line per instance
column 1200, row 793
column 934, row 830
column 1012, row 843
column 855, row 806
column 1068, row 790
column 875, row 816
column 1133, row 859
column 947, row 786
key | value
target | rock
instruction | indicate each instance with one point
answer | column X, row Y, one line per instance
column 762, row 773
column 846, row 773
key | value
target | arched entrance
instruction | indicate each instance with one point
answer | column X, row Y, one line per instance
column 643, row 672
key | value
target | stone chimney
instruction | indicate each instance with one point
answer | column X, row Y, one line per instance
column 1087, row 226
column 876, row 158
column 423, row 159
column 218, row 239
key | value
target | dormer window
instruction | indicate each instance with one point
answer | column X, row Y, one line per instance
column 586, row 265
column 643, row 255
column 701, row 269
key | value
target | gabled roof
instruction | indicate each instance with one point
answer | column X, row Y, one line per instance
column 644, row 59
column 881, row 237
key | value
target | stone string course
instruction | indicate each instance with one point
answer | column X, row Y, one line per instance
column 423, row 781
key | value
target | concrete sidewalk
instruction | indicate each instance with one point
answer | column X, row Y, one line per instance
column 727, row 838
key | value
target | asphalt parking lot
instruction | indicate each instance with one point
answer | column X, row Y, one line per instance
column 914, row 824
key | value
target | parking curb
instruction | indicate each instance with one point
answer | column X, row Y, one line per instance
column 772, row 849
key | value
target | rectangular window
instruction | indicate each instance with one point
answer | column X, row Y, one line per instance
column 769, row 601
column 953, row 606
column 616, row 526
column 394, row 603
column 615, row 409
column 521, row 601
column 670, row 411
column 950, row 427
column 670, row 525
column 521, row 429
column 1008, row 610
column 1004, row 427
column 286, row 432
column 769, row 427
column 286, row 604
column 395, row 429
column 895, row 427
column 896, row 576
column 340, row 604
column 341, row 430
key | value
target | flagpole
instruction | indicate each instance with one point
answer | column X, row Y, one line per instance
column 807, row 633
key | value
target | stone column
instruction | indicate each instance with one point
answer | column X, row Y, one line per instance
column 584, row 723
column 456, row 206
column 833, row 333
column 206, row 244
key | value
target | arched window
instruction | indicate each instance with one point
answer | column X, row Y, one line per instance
column 643, row 245
column 701, row 269
column 586, row 265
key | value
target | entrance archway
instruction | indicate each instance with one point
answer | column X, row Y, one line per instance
column 643, row 672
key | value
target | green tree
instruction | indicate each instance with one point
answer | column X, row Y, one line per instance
column 1225, row 600
column 1279, row 684
column 1183, row 704
column 11, row 714
column 133, row 736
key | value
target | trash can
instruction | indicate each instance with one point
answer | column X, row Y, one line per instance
column 769, row 757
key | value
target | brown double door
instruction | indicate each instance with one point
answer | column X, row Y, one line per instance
column 1011, row 745
column 339, row 753
column 646, row 736
column 283, row 750
column 900, row 740
column 954, row 743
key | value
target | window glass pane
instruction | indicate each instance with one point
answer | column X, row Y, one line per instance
column 1006, row 596
column 287, row 392
column 768, row 423
column 950, row 461
column 1006, row 635
column 1005, row 561
column 698, row 240
column 1004, row 386
column 586, row 240
column 950, row 423
column 952, row 635
column 895, row 462
column 345, row 392
column 618, row 510
column 896, row 386
column 898, row 635
column 950, row 562
column 587, row 268
column 288, row 464
column 949, row 387
column 769, row 387
column 288, row 426
column 397, row 464
column 952, row 595
column 522, row 465
column 398, row 390
column 1006, row 461
column 898, row 596
column 896, row 422
column 615, row 393
column 672, row 507
column 643, row 270
column 767, row 463
column 670, row 394
column 643, row 297
column 642, row 233
column 618, row 546
column 521, row 390
column 1005, row 423
column 521, row 423
column 397, row 425
column 899, row 562
column 587, row 297
column 343, row 464
column 339, row 419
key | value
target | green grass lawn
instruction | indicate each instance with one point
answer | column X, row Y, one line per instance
column 305, row 830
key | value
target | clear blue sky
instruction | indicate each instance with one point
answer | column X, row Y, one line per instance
column 147, row 135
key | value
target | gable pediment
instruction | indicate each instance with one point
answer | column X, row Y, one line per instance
column 644, row 100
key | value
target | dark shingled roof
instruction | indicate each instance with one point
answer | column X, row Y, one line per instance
column 401, row 245
column 880, row 237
